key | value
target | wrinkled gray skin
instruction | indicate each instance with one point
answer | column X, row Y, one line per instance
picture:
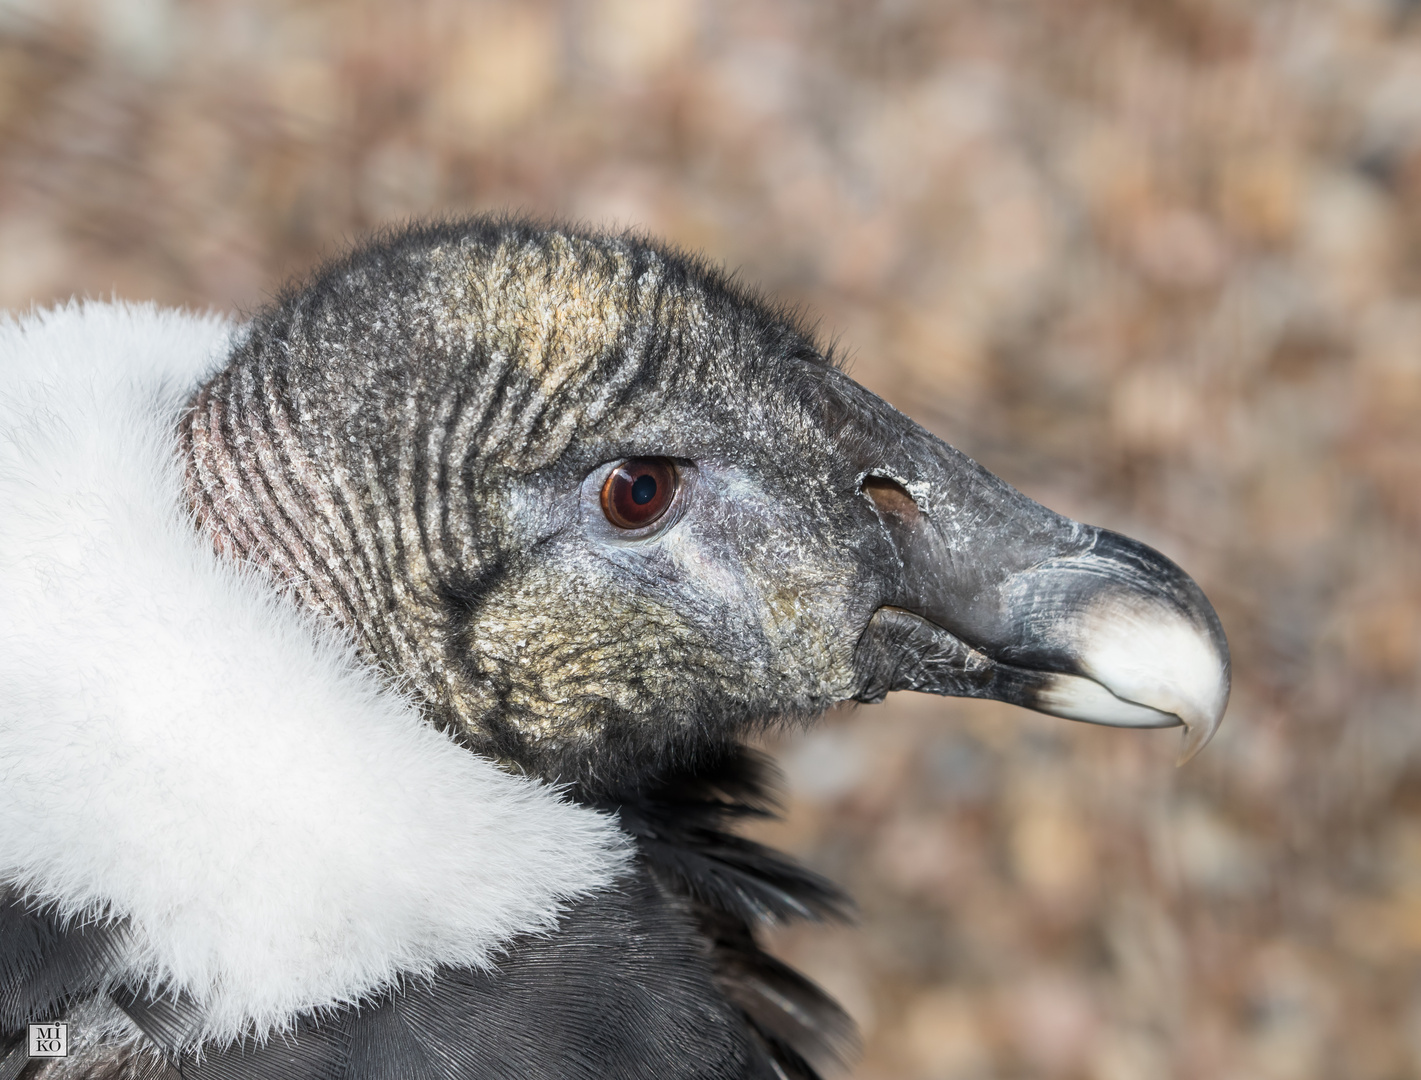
column 416, row 442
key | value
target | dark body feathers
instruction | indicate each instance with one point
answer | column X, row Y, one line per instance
column 658, row 979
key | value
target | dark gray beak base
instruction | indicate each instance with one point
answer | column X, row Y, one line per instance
column 995, row 596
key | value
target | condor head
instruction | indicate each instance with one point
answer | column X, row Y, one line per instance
column 604, row 512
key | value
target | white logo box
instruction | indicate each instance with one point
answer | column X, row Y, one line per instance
column 49, row 1040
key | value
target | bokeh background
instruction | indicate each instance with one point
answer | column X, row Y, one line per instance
column 1158, row 263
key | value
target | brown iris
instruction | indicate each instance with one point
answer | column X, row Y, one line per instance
column 639, row 491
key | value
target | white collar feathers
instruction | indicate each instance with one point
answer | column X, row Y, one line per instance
column 180, row 748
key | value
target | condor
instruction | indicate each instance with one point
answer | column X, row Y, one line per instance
column 375, row 675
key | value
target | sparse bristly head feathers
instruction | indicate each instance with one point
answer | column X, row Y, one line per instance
column 420, row 441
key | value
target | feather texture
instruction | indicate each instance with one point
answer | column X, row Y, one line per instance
column 184, row 754
column 683, row 823
column 660, row 976
column 623, row 990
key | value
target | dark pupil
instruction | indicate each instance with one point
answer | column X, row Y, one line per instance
column 644, row 489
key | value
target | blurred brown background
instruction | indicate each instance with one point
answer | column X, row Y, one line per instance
column 1158, row 263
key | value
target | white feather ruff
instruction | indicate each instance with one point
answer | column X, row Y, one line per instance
column 180, row 748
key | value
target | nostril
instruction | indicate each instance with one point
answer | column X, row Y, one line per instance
column 890, row 497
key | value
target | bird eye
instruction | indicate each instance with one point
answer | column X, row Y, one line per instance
column 639, row 491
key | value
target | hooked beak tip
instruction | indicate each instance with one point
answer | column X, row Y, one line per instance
column 1164, row 658
column 1196, row 737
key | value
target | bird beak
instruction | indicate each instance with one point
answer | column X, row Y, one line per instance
column 995, row 596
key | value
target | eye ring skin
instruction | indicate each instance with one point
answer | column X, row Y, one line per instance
column 595, row 519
